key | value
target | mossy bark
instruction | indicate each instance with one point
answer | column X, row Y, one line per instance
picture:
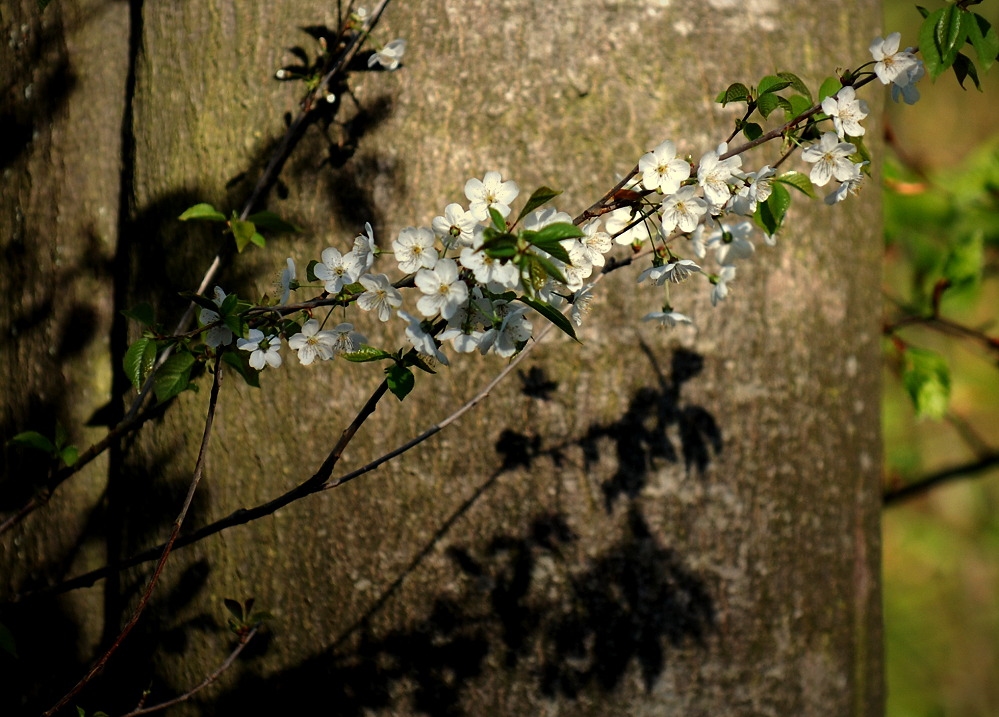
column 646, row 523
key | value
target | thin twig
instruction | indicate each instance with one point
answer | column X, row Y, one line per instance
column 167, row 548
column 244, row 640
column 319, row 481
column 894, row 496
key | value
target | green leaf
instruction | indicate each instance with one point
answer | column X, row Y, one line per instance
column 770, row 102
column 536, row 265
column 367, row 353
column 500, row 246
column 928, row 47
column 770, row 84
column 139, row 361
column 239, row 361
column 950, row 32
column 965, row 68
column 797, row 84
column 272, row 222
column 830, row 86
column 552, row 314
column 540, row 197
column 552, row 246
column 69, row 454
column 984, row 39
column 33, row 439
column 922, row 11
column 243, row 231
column 799, row 105
column 499, row 223
column 310, row 271
column 799, row 181
column 752, row 130
column 736, row 92
column 927, row 379
column 556, row 232
column 258, row 239
column 234, row 607
column 400, row 380
column 770, row 214
column 173, row 376
column 142, row 312
column 203, row 301
column 203, row 212
column 966, row 260
column 861, row 155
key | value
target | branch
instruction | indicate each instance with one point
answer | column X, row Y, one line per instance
column 893, row 496
column 135, row 417
column 319, row 481
column 178, row 522
column 244, row 640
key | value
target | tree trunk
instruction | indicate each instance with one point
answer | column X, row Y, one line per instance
column 646, row 523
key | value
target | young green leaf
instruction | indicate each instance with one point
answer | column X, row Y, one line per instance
column 202, row 212
column 797, row 84
column 69, row 454
column 736, row 92
column 799, row 181
column 139, row 361
column 243, row 232
column 799, row 105
column 830, row 86
column 770, row 214
column 984, row 39
column 965, row 68
column 203, row 301
column 540, row 197
column 927, row 380
column 234, row 608
column 770, row 102
column 751, row 130
column 552, row 314
column 239, row 361
column 173, row 376
column 141, row 312
column 771, row 83
column 33, row 439
column 272, row 222
column 499, row 223
column 539, row 266
column 556, row 232
column 500, row 246
column 400, row 380
column 950, row 32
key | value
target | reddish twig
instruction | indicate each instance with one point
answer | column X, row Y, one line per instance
column 167, row 548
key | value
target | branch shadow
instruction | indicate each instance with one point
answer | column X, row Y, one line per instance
column 533, row 604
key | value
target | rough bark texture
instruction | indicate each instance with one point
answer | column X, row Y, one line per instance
column 647, row 523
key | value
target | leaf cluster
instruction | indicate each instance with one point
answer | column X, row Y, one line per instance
column 948, row 30
column 244, row 231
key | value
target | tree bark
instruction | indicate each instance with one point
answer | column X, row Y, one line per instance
column 646, row 523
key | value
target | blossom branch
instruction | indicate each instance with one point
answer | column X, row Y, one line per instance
column 135, row 415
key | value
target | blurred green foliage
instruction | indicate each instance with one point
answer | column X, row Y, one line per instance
column 941, row 551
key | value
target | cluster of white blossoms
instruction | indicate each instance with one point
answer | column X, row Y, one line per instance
column 469, row 294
